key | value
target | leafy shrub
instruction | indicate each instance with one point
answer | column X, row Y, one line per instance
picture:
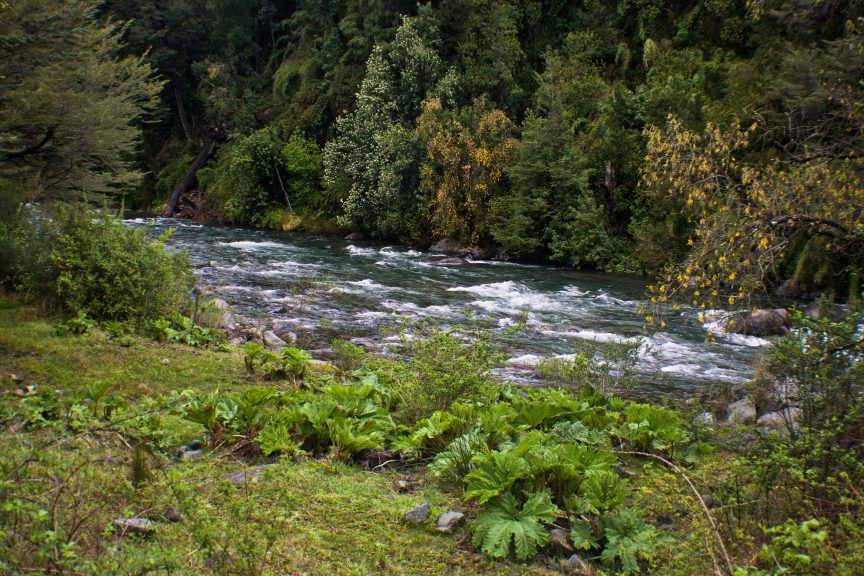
column 445, row 367
column 183, row 330
column 111, row 272
column 607, row 369
column 347, row 356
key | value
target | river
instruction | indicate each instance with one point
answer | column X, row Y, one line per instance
column 326, row 287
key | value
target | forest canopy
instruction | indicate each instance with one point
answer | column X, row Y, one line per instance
column 603, row 135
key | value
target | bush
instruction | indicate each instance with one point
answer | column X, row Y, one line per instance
column 445, row 367
column 113, row 273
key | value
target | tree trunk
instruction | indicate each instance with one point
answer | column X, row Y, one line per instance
column 189, row 179
column 181, row 112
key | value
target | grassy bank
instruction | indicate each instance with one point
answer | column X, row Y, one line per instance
column 98, row 428
column 66, row 481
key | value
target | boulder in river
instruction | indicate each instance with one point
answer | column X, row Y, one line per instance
column 272, row 340
column 742, row 412
column 355, row 236
column 445, row 261
column 446, row 246
column 761, row 323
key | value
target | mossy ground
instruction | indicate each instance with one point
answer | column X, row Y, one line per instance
column 63, row 485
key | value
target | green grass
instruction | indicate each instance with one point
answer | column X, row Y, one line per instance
column 62, row 485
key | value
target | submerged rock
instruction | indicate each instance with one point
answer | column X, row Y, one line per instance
column 448, row 521
column 419, row 514
column 761, row 323
column 445, row 261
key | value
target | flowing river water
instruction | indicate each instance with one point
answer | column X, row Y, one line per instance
column 326, row 287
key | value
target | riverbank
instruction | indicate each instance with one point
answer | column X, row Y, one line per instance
column 315, row 516
column 107, row 430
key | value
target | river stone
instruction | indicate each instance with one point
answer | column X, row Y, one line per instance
column 446, row 246
column 742, row 412
column 448, row 521
column 271, row 339
column 142, row 526
column 561, row 538
column 419, row 514
column 445, row 261
column 355, row 236
column 778, row 421
column 761, row 323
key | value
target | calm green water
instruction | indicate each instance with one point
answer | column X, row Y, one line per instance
column 324, row 287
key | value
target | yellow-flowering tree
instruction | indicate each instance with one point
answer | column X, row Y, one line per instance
column 463, row 167
column 751, row 218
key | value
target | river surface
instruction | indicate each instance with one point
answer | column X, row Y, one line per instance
column 325, row 287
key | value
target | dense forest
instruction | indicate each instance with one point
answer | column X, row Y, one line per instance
column 146, row 426
column 623, row 135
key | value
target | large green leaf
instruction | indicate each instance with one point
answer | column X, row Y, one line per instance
column 494, row 474
column 501, row 523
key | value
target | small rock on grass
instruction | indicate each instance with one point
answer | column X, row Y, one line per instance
column 191, row 454
column 140, row 526
column 419, row 514
column 448, row 521
column 243, row 477
column 561, row 538
column 575, row 565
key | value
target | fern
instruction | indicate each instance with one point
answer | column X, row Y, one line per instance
column 501, row 523
column 494, row 474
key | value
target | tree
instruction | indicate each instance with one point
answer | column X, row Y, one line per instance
column 71, row 105
column 780, row 198
column 374, row 159
column 462, row 172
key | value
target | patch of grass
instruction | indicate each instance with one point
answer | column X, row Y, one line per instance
column 31, row 348
column 66, row 482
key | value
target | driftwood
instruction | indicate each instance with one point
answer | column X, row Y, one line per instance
column 189, row 179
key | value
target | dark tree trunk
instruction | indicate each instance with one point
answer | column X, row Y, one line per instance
column 189, row 179
column 181, row 112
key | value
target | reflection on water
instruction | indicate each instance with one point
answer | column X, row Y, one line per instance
column 324, row 286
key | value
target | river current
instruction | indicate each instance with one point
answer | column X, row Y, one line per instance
column 326, row 287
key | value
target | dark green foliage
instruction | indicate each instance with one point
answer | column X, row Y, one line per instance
column 183, row 330
column 111, row 272
column 501, row 524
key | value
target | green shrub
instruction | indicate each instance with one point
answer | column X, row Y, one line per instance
column 346, row 356
column 445, row 367
column 111, row 272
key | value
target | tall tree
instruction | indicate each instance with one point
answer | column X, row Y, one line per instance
column 70, row 102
